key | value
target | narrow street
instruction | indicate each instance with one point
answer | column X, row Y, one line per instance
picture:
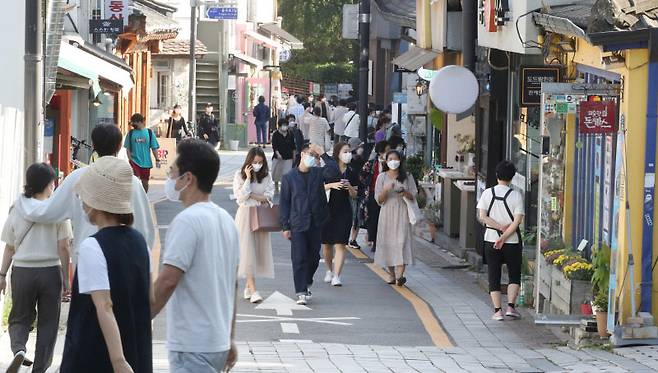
column 439, row 322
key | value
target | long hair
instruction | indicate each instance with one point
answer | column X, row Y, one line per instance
column 337, row 148
column 402, row 171
column 381, row 122
column 257, row 176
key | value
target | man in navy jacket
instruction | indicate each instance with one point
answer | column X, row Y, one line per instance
column 303, row 210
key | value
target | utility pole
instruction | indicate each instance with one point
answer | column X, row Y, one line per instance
column 224, row 27
column 364, row 71
column 33, row 96
column 191, row 111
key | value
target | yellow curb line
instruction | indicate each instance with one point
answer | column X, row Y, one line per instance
column 423, row 310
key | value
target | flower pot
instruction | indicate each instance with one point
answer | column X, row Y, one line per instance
column 602, row 323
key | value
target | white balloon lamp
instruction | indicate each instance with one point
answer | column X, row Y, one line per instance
column 454, row 89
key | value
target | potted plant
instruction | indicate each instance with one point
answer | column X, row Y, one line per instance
column 466, row 149
column 600, row 280
column 600, row 307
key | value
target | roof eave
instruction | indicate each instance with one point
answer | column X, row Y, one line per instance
column 619, row 37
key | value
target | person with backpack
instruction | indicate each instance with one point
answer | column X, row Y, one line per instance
column 40, row 256
column 501, row 211
column 139, row 143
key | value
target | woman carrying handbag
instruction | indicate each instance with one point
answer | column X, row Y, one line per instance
column 252, row 187
column 394, row 234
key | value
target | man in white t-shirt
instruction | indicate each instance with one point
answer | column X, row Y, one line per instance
column 501, row 211
column 200, row 267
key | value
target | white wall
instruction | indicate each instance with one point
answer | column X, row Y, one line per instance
column 11, row 104
column 506, row 37
column 464, row 127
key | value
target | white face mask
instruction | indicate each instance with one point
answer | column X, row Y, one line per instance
column 283, row 128
column 309, row 161
column 359, row 151
column 346, row 157
column 393, row 164
column 170, row 189
column 257, row 166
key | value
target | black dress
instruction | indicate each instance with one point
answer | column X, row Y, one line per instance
column 337, row 229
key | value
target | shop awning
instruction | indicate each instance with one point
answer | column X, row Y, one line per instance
column 262, row 39
column 248, row 59
column 92, row 67
column 415, row 58
column 282, row 34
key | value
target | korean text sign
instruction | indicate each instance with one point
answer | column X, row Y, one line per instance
column 598, row 117
column 117, row 10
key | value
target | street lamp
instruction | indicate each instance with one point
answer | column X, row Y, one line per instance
column 421, row 87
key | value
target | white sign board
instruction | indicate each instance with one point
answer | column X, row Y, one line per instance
column 350, row 21
column 117, row 9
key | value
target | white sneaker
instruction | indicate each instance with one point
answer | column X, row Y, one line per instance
column 328, row 277
column 301, row 299
column 247, row 293
column 336, row 281
column 256, row 298
column 17, row 362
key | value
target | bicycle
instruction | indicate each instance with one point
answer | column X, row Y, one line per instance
column 76, row 145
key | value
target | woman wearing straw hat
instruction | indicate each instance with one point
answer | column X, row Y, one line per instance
column 109, row 325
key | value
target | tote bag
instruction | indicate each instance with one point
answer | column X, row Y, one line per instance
column 415, row 215
column 264, row 218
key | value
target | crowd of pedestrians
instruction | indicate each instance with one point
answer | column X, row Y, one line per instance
column 329, row 185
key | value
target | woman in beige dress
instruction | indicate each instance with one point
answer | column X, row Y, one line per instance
column 252, row 186
column 394, row 235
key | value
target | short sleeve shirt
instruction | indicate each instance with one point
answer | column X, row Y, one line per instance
column 202, row 241
column 499, row 212
column 36, row 244
column 92, row 267
column 140, row 143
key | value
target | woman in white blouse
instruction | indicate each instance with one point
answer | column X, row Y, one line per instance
column 252, row 186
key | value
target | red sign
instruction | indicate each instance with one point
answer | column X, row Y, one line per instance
column 490, row 15
column 598, row 117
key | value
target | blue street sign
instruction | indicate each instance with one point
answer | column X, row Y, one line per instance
column 222, row 13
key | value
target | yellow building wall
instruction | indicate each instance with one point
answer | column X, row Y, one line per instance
column 633, row 108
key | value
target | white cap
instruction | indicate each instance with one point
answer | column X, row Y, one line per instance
column 107, row 186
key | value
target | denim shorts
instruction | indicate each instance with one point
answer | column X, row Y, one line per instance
column 193, row 362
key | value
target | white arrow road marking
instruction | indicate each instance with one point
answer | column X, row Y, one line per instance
column 281, row 304
column 289, row 328
column 319, row 320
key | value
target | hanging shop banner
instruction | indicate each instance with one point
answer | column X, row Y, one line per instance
column 531, row 80
column 117, row 10
column 597, row 117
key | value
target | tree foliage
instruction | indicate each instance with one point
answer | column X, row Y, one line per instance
column 318, row 23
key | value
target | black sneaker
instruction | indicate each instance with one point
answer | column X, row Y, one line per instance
column 354, row 245
column 17, row 362
column 27, row 362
